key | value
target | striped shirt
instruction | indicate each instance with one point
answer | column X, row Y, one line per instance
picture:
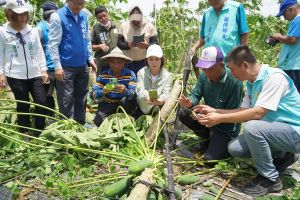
column 126, row 78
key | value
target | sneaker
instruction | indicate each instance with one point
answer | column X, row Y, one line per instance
column 282, row 163
column 261, row 185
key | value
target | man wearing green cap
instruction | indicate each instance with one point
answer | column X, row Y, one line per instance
column 289, row 58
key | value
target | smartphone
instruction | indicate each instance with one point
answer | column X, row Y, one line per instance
column 196, row 115
column 138, row 38
column 153, row 94
column 111, row 84
column 271, row 41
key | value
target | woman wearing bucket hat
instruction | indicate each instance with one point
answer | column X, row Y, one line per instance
column 115, row 87
column 135, row 36
column 154, row 82
column 22, row 63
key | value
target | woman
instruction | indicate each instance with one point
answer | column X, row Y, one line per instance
column 22, row 63
column 135, row 36
column 154, row 78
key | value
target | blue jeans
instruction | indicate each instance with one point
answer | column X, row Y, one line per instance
column 72, row 93
column 264, row 141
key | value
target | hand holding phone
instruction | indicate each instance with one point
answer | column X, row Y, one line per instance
column 111, row 84
column 153, row 94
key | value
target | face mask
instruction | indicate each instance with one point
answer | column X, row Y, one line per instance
column 107, row 24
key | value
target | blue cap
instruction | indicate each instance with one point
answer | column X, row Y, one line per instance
column 49, row 5
column 285, row 4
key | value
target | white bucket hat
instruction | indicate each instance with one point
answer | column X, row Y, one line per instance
column 18, row 6
column 116, row 53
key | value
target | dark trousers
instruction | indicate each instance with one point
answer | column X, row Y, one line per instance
column 217, row 147
column 49, row 92
column 295, row 76
column 21, row 89
column 72, row 93
column 105, row 109
column 135, row 66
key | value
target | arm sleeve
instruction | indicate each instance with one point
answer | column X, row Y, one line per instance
column 97, row 89
column 89, row 47
column 238, row 94
column 2, row 53
column 142, row 93
column 41, row 58
column 131, row 90
column 242, row 20
column 294, row 29
column 167, row 88
column 196, row 93
column 202, row 27
column 153, row 40
column 272, row 92
column 94, row 40
column 122, row 44
column 55, row 35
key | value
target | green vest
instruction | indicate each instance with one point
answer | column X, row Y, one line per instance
column 222, row 30
column 288, row 110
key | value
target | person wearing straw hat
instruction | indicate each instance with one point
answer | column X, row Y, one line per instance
column 23, row 63
column 115, row 87
column 220, row 89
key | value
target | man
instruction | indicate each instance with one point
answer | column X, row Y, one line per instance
column 71, row 52
column 219, row 89
column 120, row 93
column 48, row 7
column 289, row 58
column 104, row 37
column 135, row 36
column 224, row 25
column 271, row 110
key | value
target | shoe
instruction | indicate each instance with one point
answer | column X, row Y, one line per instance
column 184, row 152
column 282, row 163
column 201, row 147
column 261, row 185
column 89, row 126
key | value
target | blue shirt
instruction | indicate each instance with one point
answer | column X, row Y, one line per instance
column 126, row 78
column 289, row 58
column 43, row 25
column 55, row 38
column 232, row 19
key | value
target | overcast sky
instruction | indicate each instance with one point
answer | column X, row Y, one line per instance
column 269, row 6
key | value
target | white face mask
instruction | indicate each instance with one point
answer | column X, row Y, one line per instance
column 107, row 24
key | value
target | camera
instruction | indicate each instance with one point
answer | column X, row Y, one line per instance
column 271, row 41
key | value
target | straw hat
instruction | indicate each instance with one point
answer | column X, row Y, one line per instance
column 116, row 53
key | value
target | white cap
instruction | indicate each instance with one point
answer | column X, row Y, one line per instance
column 154, row 50
column 18, row 6
column 209, row 57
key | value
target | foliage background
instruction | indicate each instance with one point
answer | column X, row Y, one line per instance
column 176, row 22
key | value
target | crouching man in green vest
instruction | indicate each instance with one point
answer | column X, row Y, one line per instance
column 271, row 112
